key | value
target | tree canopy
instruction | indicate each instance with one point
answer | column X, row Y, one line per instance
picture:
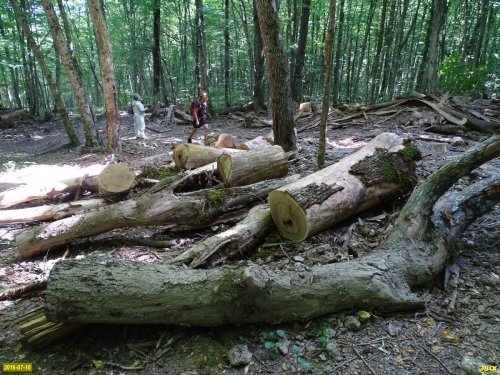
column 382, row 49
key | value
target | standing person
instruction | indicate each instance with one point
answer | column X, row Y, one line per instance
column 139, row 124
column 200, row 115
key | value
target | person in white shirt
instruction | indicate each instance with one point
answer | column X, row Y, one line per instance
column 139, row 110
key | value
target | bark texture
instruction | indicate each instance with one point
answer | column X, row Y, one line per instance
column 372, row 175
column 279, row 82
column 249, row 167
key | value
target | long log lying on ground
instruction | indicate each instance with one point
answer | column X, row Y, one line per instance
column 159, row 207
column 239, row 239
column 131, row 292
column 46, row 181
column 381, row 170
column 50, row 212
column 191, row 156
column 252, row 166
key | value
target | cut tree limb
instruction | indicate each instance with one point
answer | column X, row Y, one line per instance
column 131, row 292
column 50, row 212
column 252, row 166
column 191, row 156
column 158, row 207
column 239, row 239
column 375, row 173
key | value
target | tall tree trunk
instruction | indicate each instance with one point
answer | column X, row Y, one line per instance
column 13, row 74
column 374, row 76
column 200, row 29
column 279, row 82
column 226, row 53
column 339, row 52
column 54, row 90
column 258, row 53
column 388, row 45
column 72, row 70
column 156, row 59
column 481, row 21
column 300, row 53
column 108, row 76
column 428, row 77
column 327, row 73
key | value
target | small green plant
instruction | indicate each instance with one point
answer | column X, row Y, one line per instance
column 324, row 333
column 272, row 341
column 157, row 172
column 216, row 196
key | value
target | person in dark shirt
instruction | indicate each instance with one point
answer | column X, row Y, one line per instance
column 200, row 115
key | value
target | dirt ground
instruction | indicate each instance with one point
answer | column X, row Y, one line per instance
column 438, row 340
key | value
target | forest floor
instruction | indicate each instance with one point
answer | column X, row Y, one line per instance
column 432, row 341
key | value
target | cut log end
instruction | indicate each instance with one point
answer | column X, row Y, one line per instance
column 116, row 178
column 288, row 216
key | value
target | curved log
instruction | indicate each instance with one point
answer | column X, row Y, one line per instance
column 252, row 166
column 379, row 171
column 195, row 209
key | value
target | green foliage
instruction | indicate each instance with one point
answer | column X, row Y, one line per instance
column 460, row 77
column 216, row 196
column 324, row 333
column 157, row 172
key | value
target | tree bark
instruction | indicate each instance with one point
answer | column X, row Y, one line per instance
column 160, row 206
column 54, row 90
column 279, row 83
column 130, row 292
column 258, row 53
column 108, row 76
column 156, row 59
column 298, row 67
column 249, row 167
column 191, row 156
column 50, row 212
column 327, row 75
column 73, row 73
column 374, row 174
column 237, row 240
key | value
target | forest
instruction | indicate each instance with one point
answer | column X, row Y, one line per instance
column 338, row 214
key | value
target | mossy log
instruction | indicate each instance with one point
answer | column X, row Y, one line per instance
column 237, row 240
column 252, row 166
column 164, row 204
column 130, row 292
column 381, row 170
column 191, row 156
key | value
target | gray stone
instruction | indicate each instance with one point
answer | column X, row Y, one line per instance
column 239, row 355
column 352, row 323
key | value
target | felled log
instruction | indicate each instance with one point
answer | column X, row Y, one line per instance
column 252, row 166
column 225, row 140
column 46, row 181
column 252, row 121
column 190, row 155
column 159, row 206
column 12, row 113
column 130, row 292
column 257, row 143
column 50, row 212
column 381, row 170
column 237, row 240
column 181, row 117
column 115, row 179
column 456, row 211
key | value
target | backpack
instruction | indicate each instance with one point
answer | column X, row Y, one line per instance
column 130, row 110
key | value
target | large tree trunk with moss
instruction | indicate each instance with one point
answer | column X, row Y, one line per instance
column 378, row 172
column 165, row 204
column 128, row 292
